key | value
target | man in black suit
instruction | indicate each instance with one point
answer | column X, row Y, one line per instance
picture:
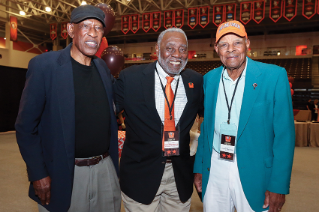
column 161, row 101
column 66, row 126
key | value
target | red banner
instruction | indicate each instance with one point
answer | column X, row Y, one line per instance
column 146, row 21
column 290, row 9
column 125, row 24
column 64, row 31
column 309, row 8
column 13, row 28
column 230, row 12
column 135, row 23
column 275, row 10
column 258, row 11
column 192, row 17
column 318, row 7
column 179, row 18
column 203, row 16
column 53, row 31
column 168, row 19
column 218, row 14
column 245, row 12
column 156, row 21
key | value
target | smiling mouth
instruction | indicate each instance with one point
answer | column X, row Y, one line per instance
column 175, row 62
column 92, row 44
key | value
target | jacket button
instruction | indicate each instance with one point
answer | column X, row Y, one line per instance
column 208, row 169
column 163, row 162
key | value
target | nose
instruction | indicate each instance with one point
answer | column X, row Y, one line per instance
column 176, row 53
column 92, row 32
column 230, row 48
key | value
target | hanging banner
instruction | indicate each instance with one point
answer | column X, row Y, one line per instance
column 13, row 28
column 64, row 31
column 53, row 31
column 290, row 9
column 134, row 23
column 218, row 14
column 156, row 21
column 146, row 21
column 192, row 17
column 168, row 19
column 258, row 11
column 230, row 12
column 309, row 8
column 275, row 10
column 203, row 16
column 318, row 7
column 179, row 18
column 125, row 24
column 245, row 12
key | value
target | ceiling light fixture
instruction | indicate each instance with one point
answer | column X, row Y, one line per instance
column 22, row 12
column 48, row 9
column 83, row 3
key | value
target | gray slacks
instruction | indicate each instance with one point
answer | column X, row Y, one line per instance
column 95, row 189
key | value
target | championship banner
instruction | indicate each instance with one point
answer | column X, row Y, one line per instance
column 258, row 11
column 290, row 9
column 53, row 31
column 125, row 24
column 275, row 10
column 168, row 19
column 146, row 21
column 309, row 8
column 245, row 12
column 156, row 21
column 230, row 11
column 203, row 16
column 179, row 18
column 13, row 28
column 134, row 23
column 64, row 31
column 218, row 14
column 192, row 17
column 318, row 7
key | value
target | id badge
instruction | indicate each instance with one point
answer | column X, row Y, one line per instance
column 228, row 133
column 171, row 143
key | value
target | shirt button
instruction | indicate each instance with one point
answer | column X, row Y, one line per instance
column 208, row 169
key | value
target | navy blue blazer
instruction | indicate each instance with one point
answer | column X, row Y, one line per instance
column 45, row 126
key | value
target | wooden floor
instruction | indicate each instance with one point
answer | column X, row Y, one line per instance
column 304, row 191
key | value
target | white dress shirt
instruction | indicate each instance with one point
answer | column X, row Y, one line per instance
column 180, row 99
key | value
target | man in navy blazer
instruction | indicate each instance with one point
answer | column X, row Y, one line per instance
column 246, row 147
column 66, row 126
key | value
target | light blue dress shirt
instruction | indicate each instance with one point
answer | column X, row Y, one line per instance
column 221, row 114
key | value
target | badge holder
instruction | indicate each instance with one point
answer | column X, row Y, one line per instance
column 228, row 133
column 171, row 143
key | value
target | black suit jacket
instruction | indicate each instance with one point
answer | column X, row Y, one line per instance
column 142, row 164
column 45, row 124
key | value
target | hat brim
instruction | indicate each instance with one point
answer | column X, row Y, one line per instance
column 78, row 20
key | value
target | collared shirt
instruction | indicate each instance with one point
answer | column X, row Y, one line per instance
column 221, row 113
column 180, row 99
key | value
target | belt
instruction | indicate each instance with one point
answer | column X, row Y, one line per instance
column 91, row 161
column 168, row 160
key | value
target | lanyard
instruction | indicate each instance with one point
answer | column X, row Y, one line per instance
column 170, row 107
column 232, row 99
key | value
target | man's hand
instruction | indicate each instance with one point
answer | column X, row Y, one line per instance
column 274, row 201
column 43, row 189
column 198, row 182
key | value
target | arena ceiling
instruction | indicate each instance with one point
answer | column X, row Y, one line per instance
column 34, row 24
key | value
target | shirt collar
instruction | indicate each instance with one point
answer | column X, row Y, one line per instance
column 227, row 77
column 163, row 74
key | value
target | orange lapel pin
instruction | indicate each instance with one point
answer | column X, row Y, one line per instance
column 191, row 85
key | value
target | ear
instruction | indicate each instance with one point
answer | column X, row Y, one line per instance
column 70, row 28
column 216, row 48
column 247, row 43
column 157, row 49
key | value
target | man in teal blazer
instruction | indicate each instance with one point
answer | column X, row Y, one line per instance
column 261, row 111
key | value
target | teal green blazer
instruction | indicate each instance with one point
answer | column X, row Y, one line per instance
column 266, row 132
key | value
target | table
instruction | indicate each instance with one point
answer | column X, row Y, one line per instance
column 121, row 140
column 314, row 135
column 302, row 133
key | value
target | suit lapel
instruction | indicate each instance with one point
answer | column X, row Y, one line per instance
column 250, row 94
column 148, row 86
column 210, row 91
column 189, row 92
column 66, row 97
